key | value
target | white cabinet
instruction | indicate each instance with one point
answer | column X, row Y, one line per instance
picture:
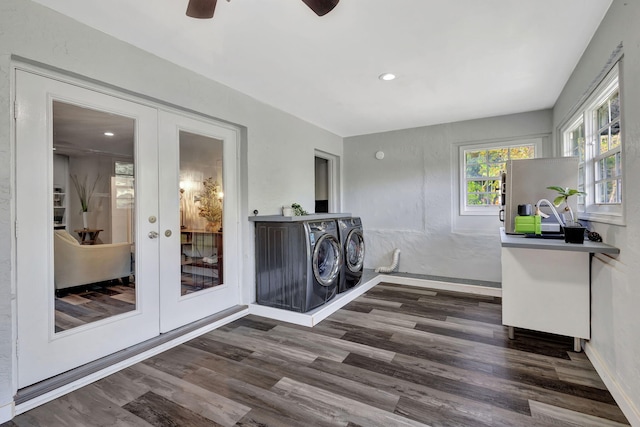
column 546, row 285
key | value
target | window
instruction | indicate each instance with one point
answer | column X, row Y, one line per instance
column 482, row 166
column 124, row 185
column 593, row 135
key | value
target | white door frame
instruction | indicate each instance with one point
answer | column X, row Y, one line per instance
column 333, row 174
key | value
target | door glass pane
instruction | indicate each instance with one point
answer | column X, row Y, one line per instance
column 201, row 212
column 93, row 215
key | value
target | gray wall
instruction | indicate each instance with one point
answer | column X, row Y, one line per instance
column 269, row 135
column 407, row 200
column 615, row 288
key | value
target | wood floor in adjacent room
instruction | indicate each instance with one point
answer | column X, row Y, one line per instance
column 396, row 356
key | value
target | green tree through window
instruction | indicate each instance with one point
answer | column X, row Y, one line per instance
column 483, row 169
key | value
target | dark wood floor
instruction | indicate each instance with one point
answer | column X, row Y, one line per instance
column 397, row 356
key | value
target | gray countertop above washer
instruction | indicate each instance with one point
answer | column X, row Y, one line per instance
column 521, row 241
column 310, row 217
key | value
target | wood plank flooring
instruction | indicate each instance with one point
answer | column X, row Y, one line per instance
column 396, row 356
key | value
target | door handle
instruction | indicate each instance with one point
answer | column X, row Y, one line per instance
column 153, row 234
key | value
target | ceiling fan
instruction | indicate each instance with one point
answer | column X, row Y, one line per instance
column 203, row 9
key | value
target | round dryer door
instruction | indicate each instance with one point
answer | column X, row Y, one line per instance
column 327, row 260
column 354, row 248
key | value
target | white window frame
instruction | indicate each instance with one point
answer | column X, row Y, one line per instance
column 462, row 187
column 588, row 209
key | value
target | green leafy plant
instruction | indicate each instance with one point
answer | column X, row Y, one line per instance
column 211, row 201
column 85, row 193
column 563, row 197
column 297, row 210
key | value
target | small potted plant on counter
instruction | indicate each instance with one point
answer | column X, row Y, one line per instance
column 573, row 230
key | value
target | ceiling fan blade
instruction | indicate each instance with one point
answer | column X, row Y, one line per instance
column 201, row 9
column 321, row 7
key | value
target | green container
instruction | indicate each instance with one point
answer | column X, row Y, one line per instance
column 528, row 224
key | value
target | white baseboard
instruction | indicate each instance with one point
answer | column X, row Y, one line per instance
column 314, row 317
column 622, row 399
column 442, row 286
column 61, row 391
column 7, row 412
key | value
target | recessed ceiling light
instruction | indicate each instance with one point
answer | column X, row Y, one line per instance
column 108, row 134
column 387, row 77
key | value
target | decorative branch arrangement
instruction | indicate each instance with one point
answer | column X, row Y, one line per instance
column 85, row 193
column 211, row 201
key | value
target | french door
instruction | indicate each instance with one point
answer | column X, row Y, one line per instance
column 101, row 246
column 197, row 242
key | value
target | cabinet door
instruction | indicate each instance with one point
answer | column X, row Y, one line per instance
column 546, row 290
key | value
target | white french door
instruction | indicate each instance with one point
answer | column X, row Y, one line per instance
column 200, row 263
column 42, row 351
column 130, row 256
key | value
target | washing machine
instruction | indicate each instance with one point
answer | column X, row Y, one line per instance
column 352, row 244
column 298, row 263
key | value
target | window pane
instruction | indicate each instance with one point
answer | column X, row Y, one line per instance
column 495, row 169
column 477, row 186
column 604, row 141
column 603, row 115
column 615, row 106
column 474, row 157
column 523, row 152
column 476, row 170
column 608, row 192
column 124, row 168
column 497, row 155
column 615, row 135
column 576, row 142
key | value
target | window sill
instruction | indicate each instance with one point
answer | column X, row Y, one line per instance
column 603, row 218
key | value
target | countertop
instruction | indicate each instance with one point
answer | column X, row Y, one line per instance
column 310, row 217
column 521, row 241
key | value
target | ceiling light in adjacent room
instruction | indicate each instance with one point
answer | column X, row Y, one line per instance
column 387, row 77
column 108, row 134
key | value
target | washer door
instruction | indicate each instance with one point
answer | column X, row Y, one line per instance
column 326, row 260
column 354, row 248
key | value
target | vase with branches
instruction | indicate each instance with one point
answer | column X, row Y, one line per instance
column 85, row 193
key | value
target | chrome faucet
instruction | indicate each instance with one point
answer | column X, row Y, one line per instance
column 553, row 209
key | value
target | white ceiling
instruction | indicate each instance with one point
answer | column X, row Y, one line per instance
column 455, row 59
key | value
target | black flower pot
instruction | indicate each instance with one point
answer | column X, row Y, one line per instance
column 574, row 234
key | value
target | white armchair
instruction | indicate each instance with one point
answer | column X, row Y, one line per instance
column 76, row 264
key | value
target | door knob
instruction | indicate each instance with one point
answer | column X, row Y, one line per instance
column 153, row 234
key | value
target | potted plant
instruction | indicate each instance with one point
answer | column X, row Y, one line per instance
column 573, row 230
column 298, row 210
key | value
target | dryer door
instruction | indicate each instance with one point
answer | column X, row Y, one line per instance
column 327, row 260
column 354, row 248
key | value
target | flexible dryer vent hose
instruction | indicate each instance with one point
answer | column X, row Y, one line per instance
column 394, row 263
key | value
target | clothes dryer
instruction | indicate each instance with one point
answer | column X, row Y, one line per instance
column 353, row 248
column 297, row 263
